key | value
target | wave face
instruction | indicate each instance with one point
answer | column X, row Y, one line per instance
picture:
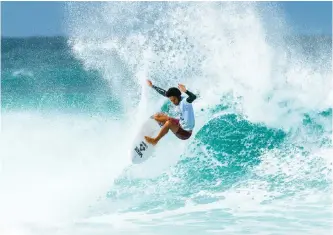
column 258, row 160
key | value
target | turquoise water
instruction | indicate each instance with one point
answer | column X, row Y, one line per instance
column 259, row 161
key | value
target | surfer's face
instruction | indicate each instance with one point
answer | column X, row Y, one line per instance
column 174, row 100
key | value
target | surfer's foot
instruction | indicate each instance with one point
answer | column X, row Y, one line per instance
column 151, row 140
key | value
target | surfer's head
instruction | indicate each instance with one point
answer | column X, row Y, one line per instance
column 174, row 95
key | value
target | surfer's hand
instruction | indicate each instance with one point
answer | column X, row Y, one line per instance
column 182, row 88
column 149, row 83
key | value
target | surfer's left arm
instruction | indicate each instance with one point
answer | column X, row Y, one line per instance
column 191, row 97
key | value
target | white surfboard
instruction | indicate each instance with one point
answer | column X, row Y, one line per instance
column 141, row 150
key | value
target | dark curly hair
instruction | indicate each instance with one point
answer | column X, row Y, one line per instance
column 173, row 91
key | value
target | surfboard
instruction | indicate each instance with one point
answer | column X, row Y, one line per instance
column 141, row 150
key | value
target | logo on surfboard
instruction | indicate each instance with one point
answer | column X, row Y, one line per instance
column 142, row 147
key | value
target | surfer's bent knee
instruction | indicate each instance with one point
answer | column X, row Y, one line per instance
column 161, row 114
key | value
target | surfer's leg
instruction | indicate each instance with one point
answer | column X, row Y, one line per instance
column 169, row 125
column 180, row 132
column 161, row 117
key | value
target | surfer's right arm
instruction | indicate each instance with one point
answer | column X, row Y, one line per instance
column 158, row 89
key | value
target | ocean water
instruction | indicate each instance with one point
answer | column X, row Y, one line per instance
column 259, row 161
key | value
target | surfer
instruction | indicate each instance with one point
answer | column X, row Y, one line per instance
column 181, row 127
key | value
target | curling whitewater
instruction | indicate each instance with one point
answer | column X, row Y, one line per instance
column 248, row 178
column 259, row 160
